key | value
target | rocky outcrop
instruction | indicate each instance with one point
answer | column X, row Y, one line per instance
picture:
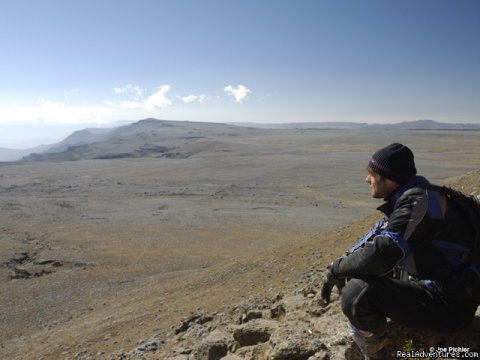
column 25, row 266
column 283, row 328
column 297, row 326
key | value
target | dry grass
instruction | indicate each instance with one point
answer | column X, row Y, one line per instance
column 143, row 242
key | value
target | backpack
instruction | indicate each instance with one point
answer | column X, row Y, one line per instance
column 470, row 208
column 466, row 283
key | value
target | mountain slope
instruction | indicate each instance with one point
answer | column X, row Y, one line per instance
column 17, row 154
column 81, row 137
column 182, row 139
column 145, row 138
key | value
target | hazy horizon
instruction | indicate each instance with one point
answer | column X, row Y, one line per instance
column 14, row 137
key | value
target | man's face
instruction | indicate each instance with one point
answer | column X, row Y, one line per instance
column 380, row 187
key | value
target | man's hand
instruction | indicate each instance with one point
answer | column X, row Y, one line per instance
column 329, row 281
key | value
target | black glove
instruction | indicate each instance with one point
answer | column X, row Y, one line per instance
column 329, row 281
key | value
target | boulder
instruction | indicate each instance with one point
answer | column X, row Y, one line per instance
column 294, row 341
column 254, row 332
column 214, row 346
column 254, row 352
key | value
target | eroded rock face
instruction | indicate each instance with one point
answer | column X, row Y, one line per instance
column 26, row 265
column 280, row 328
column 254, row 332
column 294, row 340
column 214, row 347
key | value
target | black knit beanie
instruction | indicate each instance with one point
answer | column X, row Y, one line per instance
column 394, row 162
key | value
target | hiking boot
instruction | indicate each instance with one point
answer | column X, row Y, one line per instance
column 381, row 354
column 372, row 344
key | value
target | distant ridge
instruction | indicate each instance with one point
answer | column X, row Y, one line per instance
column 425, row 125
column 405, row 125
column 145, row 138
column 166, row 138
column 8, row 155
column 81, row 137
column 304, row 125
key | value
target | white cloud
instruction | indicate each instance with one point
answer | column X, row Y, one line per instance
column 158, row 99
column 110, row 103
column 131, row 90
column 136, row 105
column 240, row 93
column 192, row 98
column 125, row 105
column 130, row 105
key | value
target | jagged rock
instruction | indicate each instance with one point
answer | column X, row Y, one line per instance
column 54, row 263
column 184, row 325
column 118, row 354
column 214, row 347
column 254, row 332
column 254, row 352
column 293, row 303
column 278, row 311
column 26, row 266
column 150, row 346
column 333, row 326
column 144, row 347
column 250, row 315
column 20, row 258
column 232, row 357
column 294, row 340
column 196, row 330
column 204, row 318
column 183, row 351
column 178, row 357
column 295, row 327
column 321, row 355
column 200, row 319
column 20, row 274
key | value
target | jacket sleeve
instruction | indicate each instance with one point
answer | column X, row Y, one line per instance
column 391, row 246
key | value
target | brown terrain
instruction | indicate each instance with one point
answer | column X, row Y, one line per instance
column 190, row 241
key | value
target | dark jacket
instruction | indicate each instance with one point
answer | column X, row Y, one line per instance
column 425, row 238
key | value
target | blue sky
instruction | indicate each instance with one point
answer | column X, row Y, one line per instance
column 90, row 62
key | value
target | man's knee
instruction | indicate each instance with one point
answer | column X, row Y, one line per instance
column 351, row 295
column 360, row 306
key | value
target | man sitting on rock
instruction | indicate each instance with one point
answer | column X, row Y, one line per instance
column 408, row 267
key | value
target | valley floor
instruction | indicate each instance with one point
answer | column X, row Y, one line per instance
column 96, row 255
